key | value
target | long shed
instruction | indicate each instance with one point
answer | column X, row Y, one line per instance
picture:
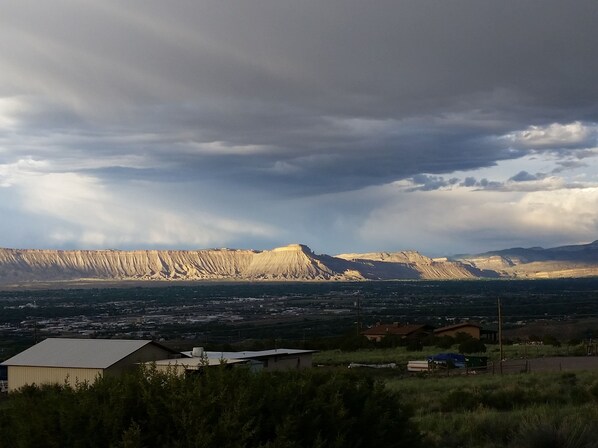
column 270, row 360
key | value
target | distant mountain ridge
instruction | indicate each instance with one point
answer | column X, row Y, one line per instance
column 295, row 262
column 537, row 262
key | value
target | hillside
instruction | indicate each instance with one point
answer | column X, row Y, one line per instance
column 294, row 262
column 410, row 265
column 18, row 266
column 537, row 262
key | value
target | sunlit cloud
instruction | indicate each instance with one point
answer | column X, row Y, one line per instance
column 476, row 221
column 556, row 136
column 93, row 215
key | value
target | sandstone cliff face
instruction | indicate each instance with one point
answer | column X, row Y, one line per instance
column 294, row 262
column 410, row 265
column 51, row 265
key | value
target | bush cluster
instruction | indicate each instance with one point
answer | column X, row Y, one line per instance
column 221, row 408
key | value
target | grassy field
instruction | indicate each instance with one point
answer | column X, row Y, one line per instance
column 490, row 411
column 525, row 410
column 401, row 356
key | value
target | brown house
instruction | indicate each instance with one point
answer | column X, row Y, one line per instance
column 473, row 330
column 380, row 331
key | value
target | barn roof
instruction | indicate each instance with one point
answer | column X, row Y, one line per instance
column 196, row 363
column 78, row 353
column 249, row 354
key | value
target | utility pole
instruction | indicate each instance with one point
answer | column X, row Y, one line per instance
column 358, row 304
column 500, row 335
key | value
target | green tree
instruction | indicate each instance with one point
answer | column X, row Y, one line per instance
column 461, row 337
column 445, row 342
column 472, row 346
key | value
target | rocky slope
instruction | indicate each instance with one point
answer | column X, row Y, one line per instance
column 50, row 265
column 294, row 262
column 410, row 265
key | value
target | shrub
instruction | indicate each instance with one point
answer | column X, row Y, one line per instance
column 460, row 400
column 550, row 432
column 593, row 390
column 445, row 342
column 568, row 379
column 551, row 340
column 472, row 346
column 414, row 345
column 223, row 407
column 461, row 337
column 392, row 341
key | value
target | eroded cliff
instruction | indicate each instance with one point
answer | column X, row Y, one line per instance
column 294, row 262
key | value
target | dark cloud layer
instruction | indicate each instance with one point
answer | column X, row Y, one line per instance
column 524, row 176
column 339, row 94
column 268, row 100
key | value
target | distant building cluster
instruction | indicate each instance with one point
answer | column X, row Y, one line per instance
column 379, row 331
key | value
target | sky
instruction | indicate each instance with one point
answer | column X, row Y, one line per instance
column 440, row 126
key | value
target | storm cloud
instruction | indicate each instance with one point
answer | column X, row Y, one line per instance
column 254, row 122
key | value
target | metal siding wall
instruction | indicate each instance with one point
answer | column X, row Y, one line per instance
column 306, row 361
column 173, row 368
column 290, row 362
column 19, row 376
column 147, row 353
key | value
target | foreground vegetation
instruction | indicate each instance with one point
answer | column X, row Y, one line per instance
column 220, row 408
column 528, row 410
column 322, row 408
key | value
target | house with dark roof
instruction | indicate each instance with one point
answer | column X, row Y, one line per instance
column 380, row 331
column 474, row 330
column 72, row 361
column 469, row 328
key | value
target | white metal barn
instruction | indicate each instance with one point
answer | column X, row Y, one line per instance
column 61, row 360
column 270, row 360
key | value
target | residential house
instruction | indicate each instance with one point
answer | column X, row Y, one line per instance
column 474, row 330
column 380, row 331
